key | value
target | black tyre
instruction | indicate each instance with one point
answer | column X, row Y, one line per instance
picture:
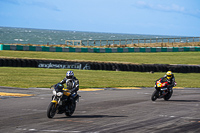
column 10, row 62
column 168, row 96
column 121, row 67
column 51, row 111
column 128, row 68
column 71, row 107
column 154, row 95
column 5, row 62
column 100, row 66
column 96, row 66
column 15, row 63
column 113, row 67
column 108, row 67
column 1, row 62
column 24, row 63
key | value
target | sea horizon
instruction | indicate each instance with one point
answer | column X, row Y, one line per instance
column 13, row 35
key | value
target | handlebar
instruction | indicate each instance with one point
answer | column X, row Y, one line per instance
column 52, row 87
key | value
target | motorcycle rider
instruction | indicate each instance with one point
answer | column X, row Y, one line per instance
column 72, row 88
column 170, row 79
column 70, row 76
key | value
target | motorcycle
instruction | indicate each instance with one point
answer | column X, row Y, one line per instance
column 162, row 90
column 62, row 100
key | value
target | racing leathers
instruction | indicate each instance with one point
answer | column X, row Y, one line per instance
column 171, row 81
column 76, row 85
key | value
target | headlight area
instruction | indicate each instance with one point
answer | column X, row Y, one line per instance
column 57, row 94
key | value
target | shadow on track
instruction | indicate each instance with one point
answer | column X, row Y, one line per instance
column 92, row 116
column 184, row 100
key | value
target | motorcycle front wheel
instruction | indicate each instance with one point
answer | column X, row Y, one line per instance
column 154, row 95
column 51, row 110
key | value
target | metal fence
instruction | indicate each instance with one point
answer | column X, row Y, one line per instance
column 131, row 41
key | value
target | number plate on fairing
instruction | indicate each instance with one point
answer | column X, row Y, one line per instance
column 163, row 89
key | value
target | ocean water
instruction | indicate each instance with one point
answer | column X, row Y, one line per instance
column 10, row 35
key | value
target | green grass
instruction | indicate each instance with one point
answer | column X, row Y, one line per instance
column 141, row 58
column 40, row 77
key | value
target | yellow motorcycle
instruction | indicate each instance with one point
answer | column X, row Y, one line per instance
column 62, row 101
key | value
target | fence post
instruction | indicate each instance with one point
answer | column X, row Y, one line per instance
column 180, row 39
column 139, row 41
column 100, row 42
column 94, row 42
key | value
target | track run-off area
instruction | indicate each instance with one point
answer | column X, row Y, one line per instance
column 102, row 110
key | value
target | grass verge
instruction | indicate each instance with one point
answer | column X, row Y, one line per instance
column 44, row 78
column 141, row 58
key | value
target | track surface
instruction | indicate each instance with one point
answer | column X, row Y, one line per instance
column 103, row 111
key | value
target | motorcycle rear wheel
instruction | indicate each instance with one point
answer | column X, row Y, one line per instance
column 71, row 107
column 51, row 111
column 168, row 96
column 154, row 95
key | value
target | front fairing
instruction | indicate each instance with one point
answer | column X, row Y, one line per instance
column 58, row 89
column 161, row 84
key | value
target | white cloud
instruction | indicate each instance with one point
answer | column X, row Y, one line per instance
column 46, row 5
column 37, row 3
column 168, row 8
column 160, row 7
column 10, row 1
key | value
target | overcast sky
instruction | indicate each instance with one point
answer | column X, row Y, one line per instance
column 154, row 17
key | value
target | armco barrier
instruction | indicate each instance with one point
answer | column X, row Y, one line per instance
column 97, row 50
column 98, row 65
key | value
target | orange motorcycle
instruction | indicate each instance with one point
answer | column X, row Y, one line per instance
column 162, row 90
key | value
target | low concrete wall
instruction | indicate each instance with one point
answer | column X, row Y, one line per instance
column 97, row 50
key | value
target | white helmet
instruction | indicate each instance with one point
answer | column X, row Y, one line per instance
column 69, row 75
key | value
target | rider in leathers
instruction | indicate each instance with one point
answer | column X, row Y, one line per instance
column 170, row 79
column 72, row 89
column 70, row 76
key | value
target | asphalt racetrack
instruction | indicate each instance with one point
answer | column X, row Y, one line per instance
column 102, row 111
